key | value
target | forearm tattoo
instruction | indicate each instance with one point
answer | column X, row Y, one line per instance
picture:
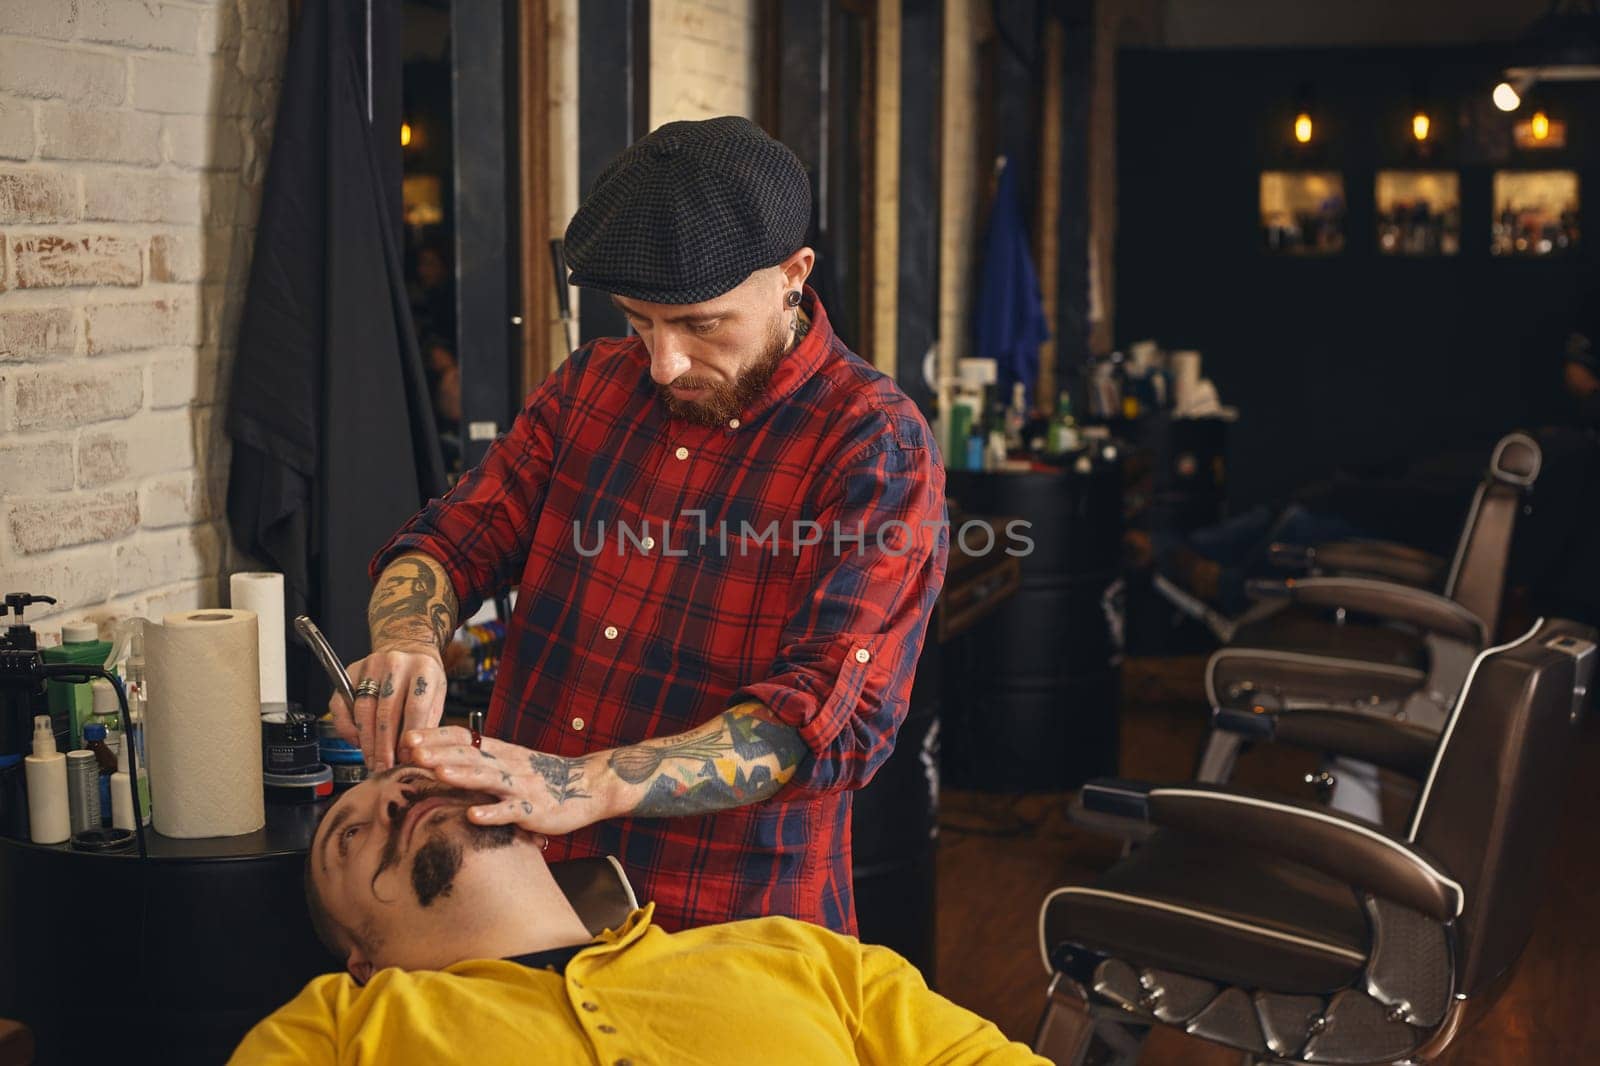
column 414, row 601
column 562, row 776
column 744, row 757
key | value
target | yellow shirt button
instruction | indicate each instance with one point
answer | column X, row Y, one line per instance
column 607, row 1029
column 647, row 543
column 862, row 655
column 577, row 723
column 623, row 1062
column 682, row 453
column 586, row 1005
column 611, row 632
column 733, row 423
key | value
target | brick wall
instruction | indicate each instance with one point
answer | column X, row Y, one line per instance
column 133, row 139
column 702, row 59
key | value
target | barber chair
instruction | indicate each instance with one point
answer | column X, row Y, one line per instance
column 1289, row 654
column 1296, row 934
column 598, row 890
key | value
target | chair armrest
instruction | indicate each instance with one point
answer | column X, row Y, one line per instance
column 1388, row 600
column 1361, row 855
column 1394, row 745
column 1381, row 559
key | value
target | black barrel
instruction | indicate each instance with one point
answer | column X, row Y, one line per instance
column 895, row 829
column 1033, row 689
column 109, row 958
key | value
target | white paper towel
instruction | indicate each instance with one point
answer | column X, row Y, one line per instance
column 263, row 594
column 1185, row 370
column 203, row 723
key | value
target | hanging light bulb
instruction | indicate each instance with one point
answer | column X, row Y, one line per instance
column 1539, row 125
column 1507, row 98
column 405, row 135
column 1420, row 124
column 1302, row 128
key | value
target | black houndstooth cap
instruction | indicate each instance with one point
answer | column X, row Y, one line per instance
column 690, row 211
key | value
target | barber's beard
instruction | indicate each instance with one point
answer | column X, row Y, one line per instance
column 721, row 401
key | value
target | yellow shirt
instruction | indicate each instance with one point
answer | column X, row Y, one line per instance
column 763, row 991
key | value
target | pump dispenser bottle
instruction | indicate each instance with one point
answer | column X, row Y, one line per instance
column 49, row 819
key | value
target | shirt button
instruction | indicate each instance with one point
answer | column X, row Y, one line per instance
column 862, row 655
column 647, row 543
column 577, row 723
column 611, row 632
column 607, row 1029
column 586, row 1005
column 623, row 1062
column 682, row 453
column 733, row 423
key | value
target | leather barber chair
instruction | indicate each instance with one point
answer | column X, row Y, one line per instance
column 1299, row 650
column 597, row 889
column 1296, row 934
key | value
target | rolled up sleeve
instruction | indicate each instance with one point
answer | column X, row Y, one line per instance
column 482, row 529
column 848, row 655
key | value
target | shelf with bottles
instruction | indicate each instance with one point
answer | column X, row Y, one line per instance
column 1535, row 213
column 1419, row 212
column 1302, row 212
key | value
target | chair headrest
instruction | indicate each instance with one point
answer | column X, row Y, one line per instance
column 1516, row 460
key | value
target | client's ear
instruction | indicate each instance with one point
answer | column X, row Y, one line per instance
column 359, row 965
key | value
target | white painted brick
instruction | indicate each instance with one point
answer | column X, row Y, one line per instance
column 32, row 333
column 263, row 16
column 184, row 379
column 122, row 327
column 31, row 68
column 139, row 25
column 37, row 196
column 175, row 500
column 174, row 86
column 35, row 466
column 260, row 56
column 109, row 196
column 29, row 18
column 16, row 129
column 98, row 134
column 176, row 257
column 219, row 28
column 75, row 578
column 52, row 261
column 61, row 521
column 74, row 396
column 202, row 142
column 166, row 557
column 184, row 596
column 152, row 443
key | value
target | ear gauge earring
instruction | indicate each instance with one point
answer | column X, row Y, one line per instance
column 792, row 298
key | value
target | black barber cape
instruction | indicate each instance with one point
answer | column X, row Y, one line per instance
column 334, row 445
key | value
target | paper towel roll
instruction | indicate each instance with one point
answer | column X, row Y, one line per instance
column 1185, row 370
column 203, row 723
column 263, row 594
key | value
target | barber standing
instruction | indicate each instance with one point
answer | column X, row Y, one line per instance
column 727, row 534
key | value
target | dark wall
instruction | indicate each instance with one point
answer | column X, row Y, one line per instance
column 1359, row 358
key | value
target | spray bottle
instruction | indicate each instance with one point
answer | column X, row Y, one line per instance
column 49, row 818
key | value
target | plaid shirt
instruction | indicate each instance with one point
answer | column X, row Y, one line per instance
column 669, row 571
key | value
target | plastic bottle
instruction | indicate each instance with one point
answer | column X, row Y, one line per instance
column 94, row 738
column 107, row 712
column 71, row 704
column 49, row 818
column 1063, row 428
column 122, row 793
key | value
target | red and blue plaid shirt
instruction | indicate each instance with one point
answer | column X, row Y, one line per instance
column 667, row 571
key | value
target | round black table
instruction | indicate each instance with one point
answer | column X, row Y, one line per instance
column 112, row 958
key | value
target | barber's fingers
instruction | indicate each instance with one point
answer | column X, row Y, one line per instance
column 425, row 690
column 422, row 746
column 381, row 720
column 514, row 811
column 366, row 707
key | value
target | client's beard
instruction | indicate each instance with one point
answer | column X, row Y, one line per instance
column 724, row 401
column 436, row 863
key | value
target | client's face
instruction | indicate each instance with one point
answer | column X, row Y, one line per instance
column 395, row 856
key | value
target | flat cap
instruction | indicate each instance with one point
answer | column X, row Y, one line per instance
column 690, row 211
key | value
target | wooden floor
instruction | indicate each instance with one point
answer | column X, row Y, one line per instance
column 1000, row 856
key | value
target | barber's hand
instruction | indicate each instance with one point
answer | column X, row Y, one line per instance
column 411, row 684
column 550, row 794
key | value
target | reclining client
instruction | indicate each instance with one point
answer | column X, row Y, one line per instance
column 461, row 947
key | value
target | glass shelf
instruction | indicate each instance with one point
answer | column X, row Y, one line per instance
column 1302, row 212
column 1419, row 212
column 1535, row 213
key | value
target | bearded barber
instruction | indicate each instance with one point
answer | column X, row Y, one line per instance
column 697, row 695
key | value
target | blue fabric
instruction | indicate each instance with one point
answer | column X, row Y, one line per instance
column 1009, row 322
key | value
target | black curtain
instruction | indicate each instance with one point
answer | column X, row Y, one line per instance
column 334, row 444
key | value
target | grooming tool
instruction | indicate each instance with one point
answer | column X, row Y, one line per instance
column 475, row 723
column 305, row 787
column 312, row 638
column 288, row 740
